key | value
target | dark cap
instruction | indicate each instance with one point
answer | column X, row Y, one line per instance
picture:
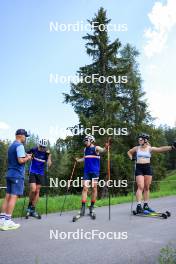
column 21, row 132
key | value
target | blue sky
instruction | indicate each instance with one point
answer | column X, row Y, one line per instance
column 30, row 52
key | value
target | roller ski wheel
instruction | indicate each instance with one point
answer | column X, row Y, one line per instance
column 80, row 214
column 28, row 212
column 27, row 216
column 93, row 215
column 164, row 216
column 168, row 213
column 76, row 217
column 134, row 212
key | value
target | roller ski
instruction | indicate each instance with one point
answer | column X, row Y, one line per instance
column 80, row 214
column 32, row 213
column 146, row 211
column 28, row 212
column 92, row 213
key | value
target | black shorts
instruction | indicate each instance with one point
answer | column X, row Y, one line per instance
column 37, row 178
column 143, row 169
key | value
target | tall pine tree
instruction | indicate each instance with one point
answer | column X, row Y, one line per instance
column 111, row 105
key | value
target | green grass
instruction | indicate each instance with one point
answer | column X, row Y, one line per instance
column 166, row 187
column 167, row 255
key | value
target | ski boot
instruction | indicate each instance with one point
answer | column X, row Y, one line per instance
column 139, row 209
column 147, row 208
column 92, row 212
column 35, row 214
column 80, row 214
column 28, row 212
column 82, row 211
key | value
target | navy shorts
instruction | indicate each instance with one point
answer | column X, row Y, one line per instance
column 37, row 178
column 15, row 186
column 90, row 176
column 143, row 169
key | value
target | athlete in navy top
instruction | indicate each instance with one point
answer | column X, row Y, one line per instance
column 40, row 157
column 143, row 170
column 17, row 158
column 91, row 161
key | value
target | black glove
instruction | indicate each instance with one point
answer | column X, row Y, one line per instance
column 174, row 145
column 48, row 153
column 133, row 157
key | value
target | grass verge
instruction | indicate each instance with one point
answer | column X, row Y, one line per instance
column 166, row 188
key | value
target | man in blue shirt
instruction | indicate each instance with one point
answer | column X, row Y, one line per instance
column 17, row 158
column 37, row 177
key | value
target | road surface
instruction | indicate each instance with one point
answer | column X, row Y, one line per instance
column 138, row 239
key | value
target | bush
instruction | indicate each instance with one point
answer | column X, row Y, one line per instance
column 167, row 255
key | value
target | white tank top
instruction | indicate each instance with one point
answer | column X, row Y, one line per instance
column 144, row 154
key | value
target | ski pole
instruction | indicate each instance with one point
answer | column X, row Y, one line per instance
column 46, row 192
column 24, row 202
column 109, row 177
column 25, row 193
column 133, row 184
column 68, row 187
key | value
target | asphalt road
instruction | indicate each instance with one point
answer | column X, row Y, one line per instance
column 39, row 242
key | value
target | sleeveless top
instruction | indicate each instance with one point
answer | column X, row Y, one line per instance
column 91, row 160
column 143, row 154
column 38, row 167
